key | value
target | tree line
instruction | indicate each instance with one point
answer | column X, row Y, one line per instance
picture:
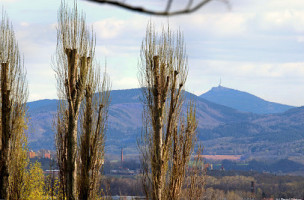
column 168, row 137
column 229, row 185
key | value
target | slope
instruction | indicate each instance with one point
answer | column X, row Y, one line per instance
column 243, row 101
column 222, row 130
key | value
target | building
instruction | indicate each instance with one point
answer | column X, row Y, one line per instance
column 31, row 154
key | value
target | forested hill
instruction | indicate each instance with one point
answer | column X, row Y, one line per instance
column 222, row 130
column 243, row 101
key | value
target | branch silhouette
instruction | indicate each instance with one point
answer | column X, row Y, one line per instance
column 188, row 9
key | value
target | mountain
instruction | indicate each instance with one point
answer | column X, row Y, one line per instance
column 221, row 129
column 124, row 117
column 41, row 115
column 268, row 137
column 243, row 101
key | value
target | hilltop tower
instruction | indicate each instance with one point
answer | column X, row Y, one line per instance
column 121, row 157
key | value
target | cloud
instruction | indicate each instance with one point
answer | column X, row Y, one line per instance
column 224, row 25
column 276, row 82
column 115, row 28
column 41, row 80
column 255, row 46
column 248, row 69
column 9, row 1
column 109, row 28
column 24, row 24
column 127, row 82
column 286, row 22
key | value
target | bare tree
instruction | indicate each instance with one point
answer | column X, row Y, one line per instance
column 61, row 125
column 168, row 135
column 78, row 79
column 14, row 95
column 74, row 54
column 190, row 6
column 194, row 186
column 93, row 120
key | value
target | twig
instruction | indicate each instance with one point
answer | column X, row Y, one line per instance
column 153, row 12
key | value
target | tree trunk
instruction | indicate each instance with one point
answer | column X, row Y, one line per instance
column 158, row 125
column 5, row 132
column 84, row 187
column 71, row 158
column 71, row 173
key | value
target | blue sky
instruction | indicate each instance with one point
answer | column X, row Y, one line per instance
column 255, row 45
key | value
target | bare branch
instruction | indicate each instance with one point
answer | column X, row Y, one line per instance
column 188, row 9
column 189, row 4
column 169, row 5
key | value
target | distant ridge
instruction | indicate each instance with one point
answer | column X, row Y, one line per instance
column 243, row 101
column 221, row 130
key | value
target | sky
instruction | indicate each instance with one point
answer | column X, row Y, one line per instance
column 255, row 46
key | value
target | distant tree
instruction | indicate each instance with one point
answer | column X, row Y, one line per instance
column 34, row 183
column 18, row 165
column 189, row 7
column 168, row 135
column 195, row 180
column 231, row 195
column 14, row 95
column 52, row 182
